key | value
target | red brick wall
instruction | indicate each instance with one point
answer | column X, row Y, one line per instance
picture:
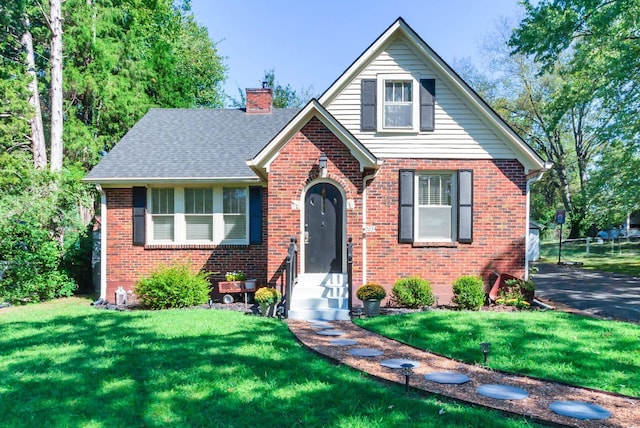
column 127, row 263
column 499, row 221
column 259, row 101
column 295, row 167
column 499, row 214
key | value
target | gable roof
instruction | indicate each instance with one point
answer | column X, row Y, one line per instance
column 526, row 155
column 190, row 145
column 261, row 162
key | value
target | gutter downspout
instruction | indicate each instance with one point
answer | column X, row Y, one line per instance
column 531, row 177
column 103, row 242
column 364, row 224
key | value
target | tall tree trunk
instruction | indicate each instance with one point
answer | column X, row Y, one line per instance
column 38, row 146
column 56, row 85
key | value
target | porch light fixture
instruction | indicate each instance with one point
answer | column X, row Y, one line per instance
column 322, row 164
column 407, row 371
column 485, row 347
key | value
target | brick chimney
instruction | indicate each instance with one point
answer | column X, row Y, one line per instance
column 259, row 101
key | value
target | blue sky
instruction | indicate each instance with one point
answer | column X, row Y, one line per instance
column 310, row 43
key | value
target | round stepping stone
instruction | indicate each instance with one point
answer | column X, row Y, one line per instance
column 330, row 332
column 343, row 342
column 447, row 377
column 579, row 410
column 502, row 392
column 365, row 352
column 398, row 362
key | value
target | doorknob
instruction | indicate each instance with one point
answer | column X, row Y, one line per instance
column 306, row 237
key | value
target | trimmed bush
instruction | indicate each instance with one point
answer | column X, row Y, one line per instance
column 175, row 286
column 412, row 292
column 468, row 292
column 371, row 291
column 267, row 295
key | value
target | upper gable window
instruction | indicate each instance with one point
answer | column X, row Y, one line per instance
column 398, row 108
column 397, row 103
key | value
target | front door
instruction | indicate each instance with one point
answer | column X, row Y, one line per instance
column 323, row 237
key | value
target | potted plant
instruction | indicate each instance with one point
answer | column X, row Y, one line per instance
column 267, row 297
column 371, row 294
column 236, row 275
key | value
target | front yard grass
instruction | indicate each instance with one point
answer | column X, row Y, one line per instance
column 621, row 257
column 557, row 346
column 66, row 364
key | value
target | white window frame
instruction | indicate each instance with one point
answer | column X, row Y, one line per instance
column 179, row 218
column 453, row 206
column 415, row 108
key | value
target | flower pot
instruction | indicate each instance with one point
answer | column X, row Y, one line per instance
column 372, row 307
column 267, row 309
column 250, row 284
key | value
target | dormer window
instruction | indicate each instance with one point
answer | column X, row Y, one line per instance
column 397, row 103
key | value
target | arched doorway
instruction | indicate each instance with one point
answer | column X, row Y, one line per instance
column 323, row 229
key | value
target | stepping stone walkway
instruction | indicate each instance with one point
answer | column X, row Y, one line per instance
column 512, row 393
column 365, row 352
column 502, row 392
column 398, row 362
column 579, row 410
column 343, row 342
column 447, row 377
column 330, row 332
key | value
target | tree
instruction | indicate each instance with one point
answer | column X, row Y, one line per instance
column 55, row 25
column 598, row 43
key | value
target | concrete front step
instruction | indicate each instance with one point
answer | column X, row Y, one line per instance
column 320, row 296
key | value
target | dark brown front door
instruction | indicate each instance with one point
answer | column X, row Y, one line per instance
column 323, row 237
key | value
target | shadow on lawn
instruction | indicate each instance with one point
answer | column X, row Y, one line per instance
column 545, row 347
column 183, row 368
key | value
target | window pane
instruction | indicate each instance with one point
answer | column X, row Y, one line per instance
column 235, row 226
column 435, row 190
column 388, row 91
column 199, row 228
column 407, row 94
column 162, row 201
column 162, row 228
column 234, row 200
column 198, row 201
column 434, row 223
column 398, row 116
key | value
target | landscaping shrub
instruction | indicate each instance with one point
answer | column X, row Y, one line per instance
column 175, row 286
column 468, row 292
column 516, row 292
column 30, row 264
column 371, row 291
column 412, row 292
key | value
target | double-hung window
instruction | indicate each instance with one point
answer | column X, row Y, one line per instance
column 200, row 215
column 398, row 104
column 435, row 219
column 162, row 214
column 234, row 203
column 198, row 208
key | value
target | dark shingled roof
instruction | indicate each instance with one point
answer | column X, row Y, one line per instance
column 191, row 144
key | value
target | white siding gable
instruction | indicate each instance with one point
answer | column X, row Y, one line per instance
column 459, row 132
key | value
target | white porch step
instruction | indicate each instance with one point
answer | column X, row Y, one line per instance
column 320, row 296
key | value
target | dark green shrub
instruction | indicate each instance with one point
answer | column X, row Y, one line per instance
column 468, row 292
column 30, row 264
column 412, row 292
column 175, row 286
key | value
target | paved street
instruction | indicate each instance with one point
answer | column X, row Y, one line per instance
column 599, row 293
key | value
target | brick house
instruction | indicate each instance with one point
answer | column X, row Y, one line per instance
column 399, row 157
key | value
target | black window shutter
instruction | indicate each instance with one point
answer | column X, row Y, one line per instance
column 465, row 206
column 368, row 113
column 405, row 203
column 427, row 104
column 139, row 208
column 255, row 215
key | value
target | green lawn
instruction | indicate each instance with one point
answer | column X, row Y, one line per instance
column 66, row 364
column 622, row 257
column 551, row 345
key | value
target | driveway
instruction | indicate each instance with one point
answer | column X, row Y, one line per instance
column 599, row 293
